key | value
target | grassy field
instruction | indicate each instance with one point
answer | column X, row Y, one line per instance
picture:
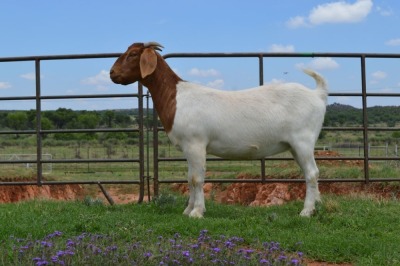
column 357, row 230
column 175, row 170
column 361, row 231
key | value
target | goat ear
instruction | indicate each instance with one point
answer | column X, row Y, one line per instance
column 148, row 62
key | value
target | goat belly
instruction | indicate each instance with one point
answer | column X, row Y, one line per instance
column 245, row 151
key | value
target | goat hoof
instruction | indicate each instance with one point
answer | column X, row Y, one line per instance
column 187, row 211
column 318, row 199
column 196, row 214
column 307, row 212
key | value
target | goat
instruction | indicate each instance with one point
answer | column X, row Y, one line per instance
column 247, row 124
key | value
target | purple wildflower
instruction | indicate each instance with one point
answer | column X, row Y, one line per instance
column 229, row 244
column 147, row 254
column 295, row 262
column 195, row 246
column 203, row 232
column 70, row 243
column 46, row 244
column 82, row 236
column 112, row 248
column 216, row 250
column 69, row 252
column 52, row 235
column 23, row 248
column 39, row 261
column 300, row 254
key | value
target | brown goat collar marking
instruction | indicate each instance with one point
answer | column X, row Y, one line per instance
column 162, row 86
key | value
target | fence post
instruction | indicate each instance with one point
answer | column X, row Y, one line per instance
column 155, row 152
column 141, row 143
column 261, row 82
column 39, row 171
column 365, row 119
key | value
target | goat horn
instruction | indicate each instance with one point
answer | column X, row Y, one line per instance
column 154, row 45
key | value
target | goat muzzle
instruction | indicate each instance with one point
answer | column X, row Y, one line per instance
column 115, row 77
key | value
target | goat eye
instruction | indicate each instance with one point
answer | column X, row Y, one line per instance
column 132, row 55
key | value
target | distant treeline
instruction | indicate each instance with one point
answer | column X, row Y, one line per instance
column 62, row 118
column 346, row 115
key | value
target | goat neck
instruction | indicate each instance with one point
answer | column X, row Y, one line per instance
column 162, row 86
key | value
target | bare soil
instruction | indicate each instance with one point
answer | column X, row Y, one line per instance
column 29, row 192
column 252, row 194
column 255, row 194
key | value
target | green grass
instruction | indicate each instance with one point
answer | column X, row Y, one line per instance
column 362, row 231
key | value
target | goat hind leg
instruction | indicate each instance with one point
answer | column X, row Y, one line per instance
column 307, row 163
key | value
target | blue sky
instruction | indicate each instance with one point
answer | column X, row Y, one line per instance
column 45, row 27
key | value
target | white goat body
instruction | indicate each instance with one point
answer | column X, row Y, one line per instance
column 247, row 124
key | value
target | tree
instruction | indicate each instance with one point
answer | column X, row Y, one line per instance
column 108, row 118
column 61, row 117
column 17, row 120
column 88, row 120
column 123, row 120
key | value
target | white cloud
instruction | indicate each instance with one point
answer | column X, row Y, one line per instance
column 297, row 22
column 393, row 42
column 203, row 72
column 5, row 85
column 217, row 84
column 334, row 12
column 323, row 63
column 386, row 12
column 278, row 48
column 320, row 63
column 379, row 75
column 30, row 76
column 102, row 79
column 340, row 12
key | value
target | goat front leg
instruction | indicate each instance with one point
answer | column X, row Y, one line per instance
column 196, row 158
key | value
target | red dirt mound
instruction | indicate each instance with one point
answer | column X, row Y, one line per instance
column 256, row 194
column 334, row 154
column 27, row 192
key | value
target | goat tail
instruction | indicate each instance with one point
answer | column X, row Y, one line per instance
column 322, row 86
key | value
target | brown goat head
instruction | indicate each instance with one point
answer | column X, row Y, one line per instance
column 138, row 62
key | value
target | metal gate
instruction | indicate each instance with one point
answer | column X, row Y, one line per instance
column 148, row 157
